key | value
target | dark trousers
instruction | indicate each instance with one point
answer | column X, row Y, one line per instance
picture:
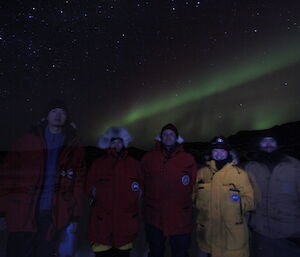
column 32, row 244
column 276, row 247
column 156, row 240
column 113, row 252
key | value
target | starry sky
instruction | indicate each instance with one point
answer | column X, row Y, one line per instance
column 210, row 67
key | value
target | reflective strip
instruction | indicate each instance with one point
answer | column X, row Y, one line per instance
column 101, row 248
column 125, row 247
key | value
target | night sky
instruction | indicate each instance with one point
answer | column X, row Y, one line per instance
column 210, row 67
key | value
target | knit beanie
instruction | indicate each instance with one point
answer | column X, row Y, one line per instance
column 56, row 104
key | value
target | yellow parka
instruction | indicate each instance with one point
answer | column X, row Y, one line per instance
column 222, row 197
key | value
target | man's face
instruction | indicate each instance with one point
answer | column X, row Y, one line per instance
column 57, row 117
column 268, row 144
column 168, row 137
column 219, row 154
column 117, row 144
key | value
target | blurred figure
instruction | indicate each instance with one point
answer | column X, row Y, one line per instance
column 276, row 221
column 3, row 232
column 114, row 184
column 68, row 240
column 44, row 178
column 223, row 194
column 170, row 175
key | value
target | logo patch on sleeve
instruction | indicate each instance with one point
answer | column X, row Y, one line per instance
column 135, row 186
column 185, row 180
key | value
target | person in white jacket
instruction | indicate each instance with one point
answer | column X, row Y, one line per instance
column 276, row 221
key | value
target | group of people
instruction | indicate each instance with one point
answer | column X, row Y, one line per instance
column 240, row 209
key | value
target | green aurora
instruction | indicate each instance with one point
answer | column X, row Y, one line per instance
column 233, row 76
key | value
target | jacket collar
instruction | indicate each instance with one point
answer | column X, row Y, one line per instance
column 69, row 131
column 112, row 152
column 213, row 167
column 159, row 147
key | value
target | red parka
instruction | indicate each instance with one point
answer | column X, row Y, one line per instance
column 23, row 176
column 117, row 181
column 168, row 184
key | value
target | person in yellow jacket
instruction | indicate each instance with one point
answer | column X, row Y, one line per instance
column 222, row 195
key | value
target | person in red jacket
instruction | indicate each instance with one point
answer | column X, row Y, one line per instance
column 114, row 182
column 44, row 179
column 169, row 176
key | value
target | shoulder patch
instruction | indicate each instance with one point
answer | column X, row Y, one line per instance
column 235, row 198
column 185, row 180
column 135, row 186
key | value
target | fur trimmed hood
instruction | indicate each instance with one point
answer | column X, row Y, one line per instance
column 233, row 155
column 114, row 132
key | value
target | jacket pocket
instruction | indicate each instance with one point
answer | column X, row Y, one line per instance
column 100, row 225
column 129, row 224
column 185, row 218
column 232, row 212
column 236, row 237
column 202, row 201
column 202, row 237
